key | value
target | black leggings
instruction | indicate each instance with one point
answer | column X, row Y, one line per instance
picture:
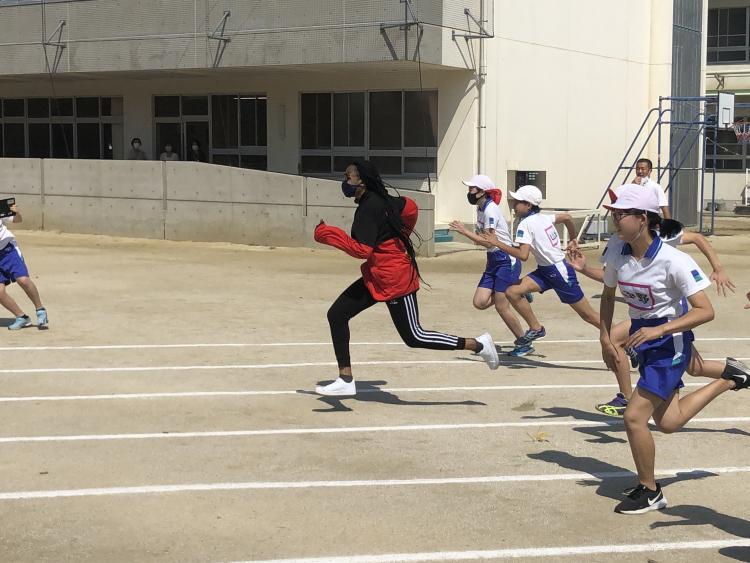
column 404, row 313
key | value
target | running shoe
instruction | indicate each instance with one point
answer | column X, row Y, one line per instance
column 21, row 322
column 530, row 335
column 616, row 407
column 529, row 297
column 521, row 350
column 633, row 357
column 488, row 352
column 42, row 322
column 641, row 500
column 734, row 371
column 338, row 388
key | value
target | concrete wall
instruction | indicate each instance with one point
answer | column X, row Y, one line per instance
column 183, row 201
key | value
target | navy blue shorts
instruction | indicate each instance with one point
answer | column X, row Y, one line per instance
column 562, row 278
column 500, row 273
column 12, row 265
column 663, row 361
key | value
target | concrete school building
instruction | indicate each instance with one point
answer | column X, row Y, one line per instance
column 432, row 91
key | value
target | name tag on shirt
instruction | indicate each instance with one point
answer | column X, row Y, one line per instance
column 638, row 296
column 552, row 235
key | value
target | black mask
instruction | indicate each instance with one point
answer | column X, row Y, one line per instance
column 473, row 198
column 347, row 189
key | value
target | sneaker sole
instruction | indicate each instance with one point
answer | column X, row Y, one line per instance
column 323, row 393
column 20, row 327
column 656, row 506
column 608, row 412
column 521, row 354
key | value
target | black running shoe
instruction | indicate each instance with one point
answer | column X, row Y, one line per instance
column 642, row 500
column 738, row 372
column 633, row 356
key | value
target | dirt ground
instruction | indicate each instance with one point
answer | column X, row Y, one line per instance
column 167, row 415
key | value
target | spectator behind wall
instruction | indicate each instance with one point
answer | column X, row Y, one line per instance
column 136, row 152
column 196, row 154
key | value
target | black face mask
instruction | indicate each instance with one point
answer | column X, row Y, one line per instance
column 347, row 189
column 473, row 198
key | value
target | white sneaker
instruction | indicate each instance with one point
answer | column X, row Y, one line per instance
column 338, row 388
column 489, row 352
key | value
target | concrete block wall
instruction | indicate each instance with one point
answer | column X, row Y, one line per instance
column 183, row 201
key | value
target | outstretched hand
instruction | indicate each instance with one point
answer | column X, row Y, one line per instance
column 576, row 259
column 457, row 226
column 722, row 282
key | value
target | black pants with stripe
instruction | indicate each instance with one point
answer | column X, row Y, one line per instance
column 404, row 313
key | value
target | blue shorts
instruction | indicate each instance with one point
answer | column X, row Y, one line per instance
column 12, row 265
column 663, row 361
column 500, row 272
column 562, row 278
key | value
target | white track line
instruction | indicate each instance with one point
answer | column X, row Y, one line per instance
column 303, row 393
column 276, row 344
column 518, row 553
column 340, row 430
column 265, row 485
column 136, row 369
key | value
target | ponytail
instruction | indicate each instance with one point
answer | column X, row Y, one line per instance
column 668, row 228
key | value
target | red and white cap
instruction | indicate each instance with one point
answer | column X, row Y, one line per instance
column 530, row 194
column 480, row 181
column 633, row 196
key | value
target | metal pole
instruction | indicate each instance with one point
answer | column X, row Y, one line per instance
column 481, row 98
column 713, row 183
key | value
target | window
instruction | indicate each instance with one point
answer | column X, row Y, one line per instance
column 230, row 129
column 85, row 127
column 728, row 35
column 396, row 130
column 730, row 155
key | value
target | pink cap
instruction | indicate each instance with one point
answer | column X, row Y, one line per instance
column 633, row 196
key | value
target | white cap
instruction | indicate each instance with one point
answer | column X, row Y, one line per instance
column 633, row 196
column 480, row 181
column 530, row 194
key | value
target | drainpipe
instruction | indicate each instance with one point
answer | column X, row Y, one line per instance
column 481, row 101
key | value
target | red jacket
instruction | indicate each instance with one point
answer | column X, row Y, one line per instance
column 387, row 272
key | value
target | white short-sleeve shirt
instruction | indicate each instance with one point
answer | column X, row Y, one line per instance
column 5, row 235
column 490, row 217
column 538, row 230
column 615, row 244
column 655, row 286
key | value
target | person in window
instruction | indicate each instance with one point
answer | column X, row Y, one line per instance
column 168, row 154
column 196, row 154
column 136, row 152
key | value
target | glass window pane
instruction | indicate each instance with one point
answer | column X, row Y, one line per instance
column 167, row 106
column 62, row 140
column 722, row 22
column 262, row 104
column 14, row 136
column 38, row 107
column 736, row 40
column 713, row 23
column 420, row 165
column 227, row 159
column 712, row 56
column 87, row 107
column 62, row 106
column 385, row 120
column 712, row 41
column 1, row 139
column 224, row 121
column 732, row 56
column 194, row 105
column 112, row 107
column 341, row 120
column 196, row 132
column 316, row 121
column 108, row 149
column 316, row 164
column 169, row 134
column 13, row 108
column 420, row 119
column 248, row 122
column 341, row 162
column 88, row 139
column 39, row 140
column 390, row 165
column 349, row 120
column 736, row 21
column 254, row 161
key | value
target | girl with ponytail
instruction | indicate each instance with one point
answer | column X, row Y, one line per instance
column 381, row 236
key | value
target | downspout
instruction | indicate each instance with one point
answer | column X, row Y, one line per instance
column 481, row 98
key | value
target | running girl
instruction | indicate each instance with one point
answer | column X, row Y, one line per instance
column 536, row 234
column 502, row 270
column 380, row 235
column 654, row 278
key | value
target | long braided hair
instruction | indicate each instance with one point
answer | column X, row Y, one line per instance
column 370, row 178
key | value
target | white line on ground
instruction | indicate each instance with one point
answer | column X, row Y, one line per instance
column 340, row 430
column 191, row 394
column 255, row 485
column 275, row 344
column 529, row 362
column 519, row 552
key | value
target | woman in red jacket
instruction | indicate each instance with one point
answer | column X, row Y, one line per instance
column 380, row 236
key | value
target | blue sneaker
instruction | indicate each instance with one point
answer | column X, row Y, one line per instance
column 529, row 336
column 616, row 407
column 41, row 318
column 21, row 322
column 633, row 356
column 521, row 350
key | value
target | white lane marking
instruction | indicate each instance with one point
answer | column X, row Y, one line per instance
column 255, row 485
column 339, row 430
column 518, row 553
column 277, row 344
column 303, row 392
column 136, row 369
